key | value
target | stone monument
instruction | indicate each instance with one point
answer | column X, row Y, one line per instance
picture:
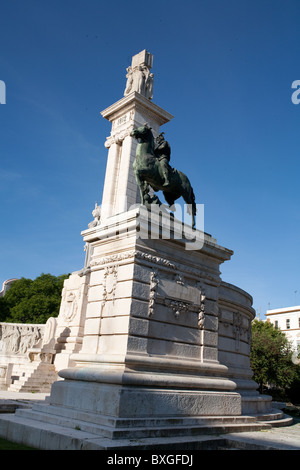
column 158, row 345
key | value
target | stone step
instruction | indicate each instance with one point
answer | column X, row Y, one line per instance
column 273, row 419
column 33, row 376
column 37, row 376
column 276, row 418
column 272, row 416
column 285, row 420
column 135, row 432
column 37, row 387
column 41, row 435
column 97, row 418
column 49, row 436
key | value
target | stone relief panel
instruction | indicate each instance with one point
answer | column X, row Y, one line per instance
column 73, row 300
column 239, row 329
column 173, row 286
column 43, row 350
column 237, row 326
column 177, row 293
column 18, row 338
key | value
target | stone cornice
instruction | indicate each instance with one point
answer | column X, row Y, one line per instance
column 135, row 101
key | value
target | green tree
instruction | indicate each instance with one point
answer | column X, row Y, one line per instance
column 271, row 356
column 32, row 301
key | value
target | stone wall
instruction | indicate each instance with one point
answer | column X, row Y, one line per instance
column 32, row 354
column 235, row 317
column 26, row 356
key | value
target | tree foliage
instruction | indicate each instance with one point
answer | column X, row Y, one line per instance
column 271, row 356
column 32, row 301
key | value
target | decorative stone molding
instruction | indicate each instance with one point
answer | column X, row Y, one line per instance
column 153, row 291
column 183, row 269
column 118, row 137
column 133, row 254
column 154, row 259
column 113, row 258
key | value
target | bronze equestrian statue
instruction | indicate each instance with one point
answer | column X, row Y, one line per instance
column 151, row 167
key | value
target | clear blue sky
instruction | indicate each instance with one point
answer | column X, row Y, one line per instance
column 223, row 68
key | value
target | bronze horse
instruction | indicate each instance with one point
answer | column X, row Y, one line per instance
column 148, row 171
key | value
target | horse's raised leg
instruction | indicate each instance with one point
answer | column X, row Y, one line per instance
column 193, row 219
column 143, row 186
column 189, row 198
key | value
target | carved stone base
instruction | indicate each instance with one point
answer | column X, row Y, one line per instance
column 164, row 338
column 132, row 403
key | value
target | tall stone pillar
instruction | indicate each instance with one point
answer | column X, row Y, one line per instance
column 111, row 178
column 120, row 190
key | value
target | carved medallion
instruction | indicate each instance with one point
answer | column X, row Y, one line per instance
column 70, row 309
column 110, row 282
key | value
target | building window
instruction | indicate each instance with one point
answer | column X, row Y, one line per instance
column 299, row 322
column 288, row 324
column 276, row 323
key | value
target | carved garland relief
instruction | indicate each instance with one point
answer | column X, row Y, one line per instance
column 153, row 291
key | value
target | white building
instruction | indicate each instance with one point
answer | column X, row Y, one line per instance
column 6, row 285
column 288, row 321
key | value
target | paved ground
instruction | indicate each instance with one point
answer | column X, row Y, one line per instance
column 281, row 438
column 9, row 401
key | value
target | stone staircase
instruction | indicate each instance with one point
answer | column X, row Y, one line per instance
column 32, row 377
column 63, row 428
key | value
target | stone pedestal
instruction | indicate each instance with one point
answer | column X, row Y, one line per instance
column 150, row 341
column 165, row 345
